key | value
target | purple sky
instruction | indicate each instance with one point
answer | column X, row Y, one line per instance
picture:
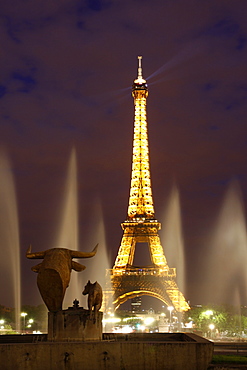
column 66, row 73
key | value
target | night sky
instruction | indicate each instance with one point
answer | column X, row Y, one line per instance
column 65, row 84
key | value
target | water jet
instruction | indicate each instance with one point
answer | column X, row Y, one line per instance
column 9, row 239
column 226, row 273
column 68, row 232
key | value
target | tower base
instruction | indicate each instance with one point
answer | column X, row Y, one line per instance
column 74, row 325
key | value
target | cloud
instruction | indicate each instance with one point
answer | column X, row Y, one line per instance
column 3, row 90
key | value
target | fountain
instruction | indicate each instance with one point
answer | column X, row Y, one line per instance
column 75, row 339
column 9, row 239
column 96, row 268
column 68, row 233
column 68, row 236
column 172, row 237
column 227, row 253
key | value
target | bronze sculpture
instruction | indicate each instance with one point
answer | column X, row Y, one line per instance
column 94, row 292
column 54, row 273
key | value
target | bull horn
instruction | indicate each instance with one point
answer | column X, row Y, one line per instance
column 34, row 255
column 78, row 254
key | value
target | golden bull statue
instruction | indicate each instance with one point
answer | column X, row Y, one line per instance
column 54, row 273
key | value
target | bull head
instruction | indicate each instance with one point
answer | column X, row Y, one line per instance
column 54, row 272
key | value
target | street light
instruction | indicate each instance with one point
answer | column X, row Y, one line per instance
column 170, row 308
column 23, row 314
column 30, row 322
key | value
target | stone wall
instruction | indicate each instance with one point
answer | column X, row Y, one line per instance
column 108, row 355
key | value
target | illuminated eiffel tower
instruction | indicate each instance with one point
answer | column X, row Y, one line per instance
column 157, row 280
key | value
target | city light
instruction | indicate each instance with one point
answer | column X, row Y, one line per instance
column 170, row 309
column 2, row 324
column 148, row 321
column 24, row 314
column 30, row 322
column 208, row 313
column 111, row 319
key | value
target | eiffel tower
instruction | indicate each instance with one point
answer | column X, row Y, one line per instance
column 157, row 280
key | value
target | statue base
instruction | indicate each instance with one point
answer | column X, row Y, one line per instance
column 74, row 324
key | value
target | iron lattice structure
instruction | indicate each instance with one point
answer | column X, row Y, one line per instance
column 125, row 280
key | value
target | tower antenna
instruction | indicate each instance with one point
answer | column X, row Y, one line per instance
column 139, row 67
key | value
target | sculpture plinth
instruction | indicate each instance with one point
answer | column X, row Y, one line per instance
column 74, row 324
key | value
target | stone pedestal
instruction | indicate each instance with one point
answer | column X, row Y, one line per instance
column 74, row 324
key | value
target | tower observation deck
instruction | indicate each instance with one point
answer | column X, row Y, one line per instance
column 156, row 280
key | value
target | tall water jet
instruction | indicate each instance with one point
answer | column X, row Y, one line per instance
column 68, row 234
column 96, row 269
column 225, row 270
column 100, row 262
column 9, row 241
column 97, row 266
column 172, row 237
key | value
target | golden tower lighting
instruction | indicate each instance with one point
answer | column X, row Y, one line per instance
column 157, row 280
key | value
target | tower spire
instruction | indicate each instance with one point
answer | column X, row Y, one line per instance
column 140, row 200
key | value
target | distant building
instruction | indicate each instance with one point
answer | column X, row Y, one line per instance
column 136, row 304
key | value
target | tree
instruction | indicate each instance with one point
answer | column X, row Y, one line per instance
column 227, row 320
